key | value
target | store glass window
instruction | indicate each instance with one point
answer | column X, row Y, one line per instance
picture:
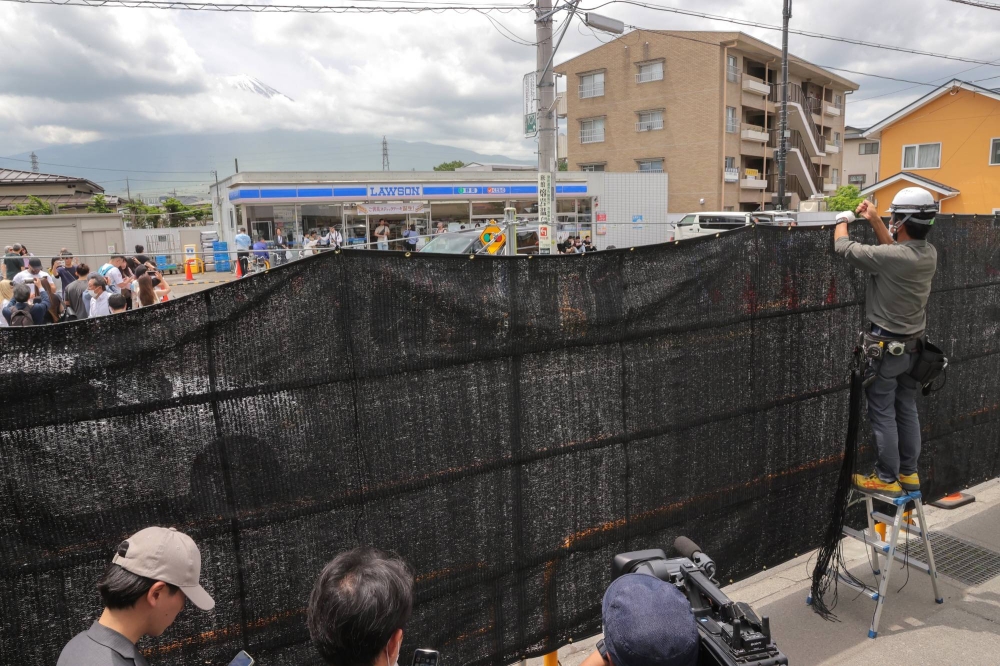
column 565, row 205
column 321, row 216
column 488, row 208
column 525, row 207
column 453, row 214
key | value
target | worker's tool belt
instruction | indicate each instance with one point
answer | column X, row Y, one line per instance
column 929, row 365
column 876, row 346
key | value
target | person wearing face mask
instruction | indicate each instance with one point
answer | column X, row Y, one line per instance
column 358, row 608
column 900, row 269
column 153, row 574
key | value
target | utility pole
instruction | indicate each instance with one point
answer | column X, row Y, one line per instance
column 786, row 14
column 385, row 154
column 237, row 163
column 218, row 200
column 546, row 89
column 34, row 162
column 131, row 206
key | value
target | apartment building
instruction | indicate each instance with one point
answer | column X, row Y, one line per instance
column 860, row 158
column 704, row 107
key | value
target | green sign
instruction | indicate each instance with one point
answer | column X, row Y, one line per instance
column 530, row 127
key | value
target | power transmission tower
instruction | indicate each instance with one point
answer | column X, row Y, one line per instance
column 385, row 154
column 34, row 162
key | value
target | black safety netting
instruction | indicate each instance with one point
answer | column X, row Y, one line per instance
column 505, row 424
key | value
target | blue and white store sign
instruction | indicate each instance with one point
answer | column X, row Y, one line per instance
column 394, row 191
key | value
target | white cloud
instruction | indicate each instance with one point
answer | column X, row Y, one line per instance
column 78, row 74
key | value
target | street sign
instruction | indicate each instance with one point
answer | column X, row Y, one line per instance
column 492, row 238
column 530, row 95
column 544, row 197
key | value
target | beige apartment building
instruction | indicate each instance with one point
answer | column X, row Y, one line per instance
column 704, row 107
column 860, row 158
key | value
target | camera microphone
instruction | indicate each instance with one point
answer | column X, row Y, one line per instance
column 693, row 552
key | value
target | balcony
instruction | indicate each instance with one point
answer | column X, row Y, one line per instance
column 649, row 125
column 831, row 109
column 753, row 133
column 832, row 149
column 591, row 136
column 731, row 174
column 752, row 85
column 593, row 90
column 753, row 184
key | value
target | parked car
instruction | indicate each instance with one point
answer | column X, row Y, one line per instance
column 704, row 224
column 467, row 242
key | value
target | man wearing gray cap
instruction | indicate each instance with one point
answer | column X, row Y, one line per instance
column 152, row 574
column 647, row 622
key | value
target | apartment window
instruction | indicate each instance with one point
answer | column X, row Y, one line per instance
column 836, row 139
column 995, row 152
column 731, row 124
column 649, row 121
column 592, row 85
column 732, row 70
column 651, row 166
column 592, row 131
column 835, row 177
column 868, row 148
column 650, row 71
column 838, row 101
column 591, row 167
column 857, row 179
column 730, row 162
column 922, row 156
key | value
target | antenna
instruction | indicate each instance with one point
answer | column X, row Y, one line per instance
column 34, row 162
column 385, row 154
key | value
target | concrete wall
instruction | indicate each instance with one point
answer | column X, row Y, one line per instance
column 98, row 234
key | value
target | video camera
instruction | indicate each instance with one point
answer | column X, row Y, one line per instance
column 731, row 633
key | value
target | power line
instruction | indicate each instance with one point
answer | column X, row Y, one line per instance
column 77, row 166
column 187, row 5
column 803, row 33
column 973, row 3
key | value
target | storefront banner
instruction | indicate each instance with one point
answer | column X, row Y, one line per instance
column 391, row 209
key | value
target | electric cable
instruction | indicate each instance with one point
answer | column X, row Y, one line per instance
column 189, row 5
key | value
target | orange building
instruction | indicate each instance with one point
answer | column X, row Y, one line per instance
column 947, row 142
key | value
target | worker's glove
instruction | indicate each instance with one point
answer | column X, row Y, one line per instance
column 845, row 216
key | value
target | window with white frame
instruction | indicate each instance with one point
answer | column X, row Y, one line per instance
column 838, row 101
column 592, row 130
column 857, row 179
column 836, row 139
column 922, row 156
column 649, row 121
column 592, row 85
column 731, row 171
column 650, row 71
column 732, row 125
column 835, row 177
column 868, row 148
column 651, row 166
column 592, row 167
column 732, row 69
column 995, row 152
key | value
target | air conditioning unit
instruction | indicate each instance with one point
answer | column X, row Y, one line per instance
column 809, row 207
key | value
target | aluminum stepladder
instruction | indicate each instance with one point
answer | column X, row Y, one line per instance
column 887, row 550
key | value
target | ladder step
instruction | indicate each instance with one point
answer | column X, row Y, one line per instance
column 866, row 539
column 898, row 501
column 863, row 589
column 888, row 520
column 910, row 562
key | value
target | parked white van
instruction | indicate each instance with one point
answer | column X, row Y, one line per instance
column 704, row 224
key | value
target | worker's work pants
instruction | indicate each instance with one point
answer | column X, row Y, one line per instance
column 892, row 412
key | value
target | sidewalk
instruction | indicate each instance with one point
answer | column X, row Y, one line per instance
column 913, row 629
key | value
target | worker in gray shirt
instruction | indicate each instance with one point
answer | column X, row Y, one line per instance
column 900, row 270
column 154, row 572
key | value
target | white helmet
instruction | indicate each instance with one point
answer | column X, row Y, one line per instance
column 913, row 204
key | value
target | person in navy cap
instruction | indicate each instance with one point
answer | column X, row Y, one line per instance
column 647, row 622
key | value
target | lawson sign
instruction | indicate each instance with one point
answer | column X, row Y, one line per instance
column 395, row 191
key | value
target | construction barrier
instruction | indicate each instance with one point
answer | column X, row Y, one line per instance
column 506, row 424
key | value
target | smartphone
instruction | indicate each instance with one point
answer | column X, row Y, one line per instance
column 242, row 659
column 426, row 658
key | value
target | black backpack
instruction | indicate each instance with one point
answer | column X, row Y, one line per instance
column 21, row 317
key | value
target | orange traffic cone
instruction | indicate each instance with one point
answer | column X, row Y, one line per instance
column 187, row 270
column 239, row 268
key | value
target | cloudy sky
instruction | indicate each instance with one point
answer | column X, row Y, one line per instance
column 73, row 74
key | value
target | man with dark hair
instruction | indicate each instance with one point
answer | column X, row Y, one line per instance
column 113, row 273
column 358, row 608
column 74, row 292
column 144, row 588
column 31, row 273
column 117, row 303
column 900, row 270
column 99, row 295
column 647, row 622
column 20, row 307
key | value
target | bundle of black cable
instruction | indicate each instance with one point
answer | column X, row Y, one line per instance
column 828, row 561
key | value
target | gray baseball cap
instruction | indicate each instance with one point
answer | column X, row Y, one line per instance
column 166, row 555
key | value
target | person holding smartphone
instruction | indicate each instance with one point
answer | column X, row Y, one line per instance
column 358, row 608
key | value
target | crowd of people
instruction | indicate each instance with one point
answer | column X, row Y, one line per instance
column 357, row 610
column 68, row 290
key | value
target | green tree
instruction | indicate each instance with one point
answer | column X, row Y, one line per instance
column 35, row 206
column 847, row 197
column 143, row 216
column 177, row 213
column 449, row 166
column 564, row 164
column 99, row 205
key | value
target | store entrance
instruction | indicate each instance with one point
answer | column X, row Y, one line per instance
column 419, row 222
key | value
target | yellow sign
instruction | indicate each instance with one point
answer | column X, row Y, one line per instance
column 751, row 173
column 492, row 238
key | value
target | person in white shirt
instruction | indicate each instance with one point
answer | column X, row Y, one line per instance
column 310, row 243
column 31, row 273
column 98, row 288
column 112, row 272
column 336, row 239
column 382, row 235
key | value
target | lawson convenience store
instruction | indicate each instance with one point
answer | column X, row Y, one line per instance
column 354, row 203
